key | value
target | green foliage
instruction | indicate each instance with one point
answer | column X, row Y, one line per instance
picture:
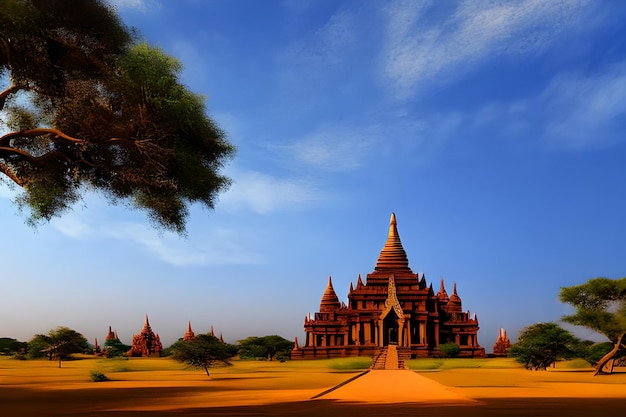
column 349, row 364
column 37, row 344
column 59, row 344
column 450, row 350
column 10, row 346
column 203, row 351
column 90, row 108
column 542, row 344
column 593, row 352
column 600, row 305
column 265, row 347
column 97, row 376
column 115, row 348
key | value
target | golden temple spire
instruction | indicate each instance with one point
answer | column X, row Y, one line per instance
column 393, row 256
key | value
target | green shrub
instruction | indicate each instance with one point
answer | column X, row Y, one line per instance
column 97, row 376
column 450, row 350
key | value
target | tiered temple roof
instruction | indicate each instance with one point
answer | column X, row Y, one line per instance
column 146, row 343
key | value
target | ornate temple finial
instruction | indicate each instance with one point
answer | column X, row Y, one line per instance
column 189, row 326
column 392, row 255
column 295, row 343
column 95, row 345
column 212, row 332
column 359, row 282
column 221, row 338
column 454, row 290
column 351, row 287
column 442, row 294
column 147, row 323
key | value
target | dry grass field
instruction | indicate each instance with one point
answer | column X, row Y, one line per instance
column 162, row 387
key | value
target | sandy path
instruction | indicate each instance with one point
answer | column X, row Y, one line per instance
column 401, row 386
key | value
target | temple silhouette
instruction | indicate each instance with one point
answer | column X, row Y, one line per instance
column 393, row 307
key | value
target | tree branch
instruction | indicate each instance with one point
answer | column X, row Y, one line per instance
column 29, row 133
column 9, row 173
column 11, row 90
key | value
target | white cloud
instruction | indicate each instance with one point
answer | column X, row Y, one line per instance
column 418, row 51
column 219, row 247
column 574, row 112
column 263, row 193
column 585, row 111
column 216, row 247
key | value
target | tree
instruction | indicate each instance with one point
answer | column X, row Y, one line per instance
column 114, row 348
column 600, row 305
column 266, row 347
column 59, row 344
column 90, row 108
column 203, row 351
column 9, row 346
column 542, row 344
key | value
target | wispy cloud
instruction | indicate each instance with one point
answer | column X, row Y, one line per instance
column 334, row 149
column 143, row 6
column 263, row 193
column 326, row 45
column 418, row 51
column 220, row 247
column 585, row 111
column 574, row 112
column 215, row 247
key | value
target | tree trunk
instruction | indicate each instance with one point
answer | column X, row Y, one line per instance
column 206, row 369
column 605, row 365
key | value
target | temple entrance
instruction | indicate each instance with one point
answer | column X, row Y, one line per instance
column 390, row 329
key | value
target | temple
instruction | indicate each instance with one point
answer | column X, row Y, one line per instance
column 393, row 307
column 502, row 345
column 111, row 335
column 146, row 343
column 189, row 334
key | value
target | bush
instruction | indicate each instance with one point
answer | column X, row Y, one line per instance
column 97, row 376
column 450, row 350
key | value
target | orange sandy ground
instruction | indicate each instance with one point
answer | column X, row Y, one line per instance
column 161, row 387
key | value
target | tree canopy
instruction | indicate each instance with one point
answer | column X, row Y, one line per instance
column 88, row 107
column 203, row 351
column 59, row 344
column 540, row 345
column 265, row 347
column 600, row 305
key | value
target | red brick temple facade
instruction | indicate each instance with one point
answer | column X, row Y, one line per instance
column 146, row 343
column 394, row 306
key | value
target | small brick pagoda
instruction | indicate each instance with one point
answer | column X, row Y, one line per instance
column 502, row 345
column 393, row 307
column 146, row 343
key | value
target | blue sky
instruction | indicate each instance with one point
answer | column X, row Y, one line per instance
column 494, row 130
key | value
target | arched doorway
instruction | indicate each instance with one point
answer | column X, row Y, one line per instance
column 390, row 328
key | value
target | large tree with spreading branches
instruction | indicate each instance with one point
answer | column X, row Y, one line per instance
column 600, row 305
column 85, row 106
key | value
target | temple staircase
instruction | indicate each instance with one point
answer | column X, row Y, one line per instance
column 388, row 358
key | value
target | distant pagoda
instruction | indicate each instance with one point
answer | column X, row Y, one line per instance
column 146, row 343
column 189, row 334
column 393, row 307
column 502, row 345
